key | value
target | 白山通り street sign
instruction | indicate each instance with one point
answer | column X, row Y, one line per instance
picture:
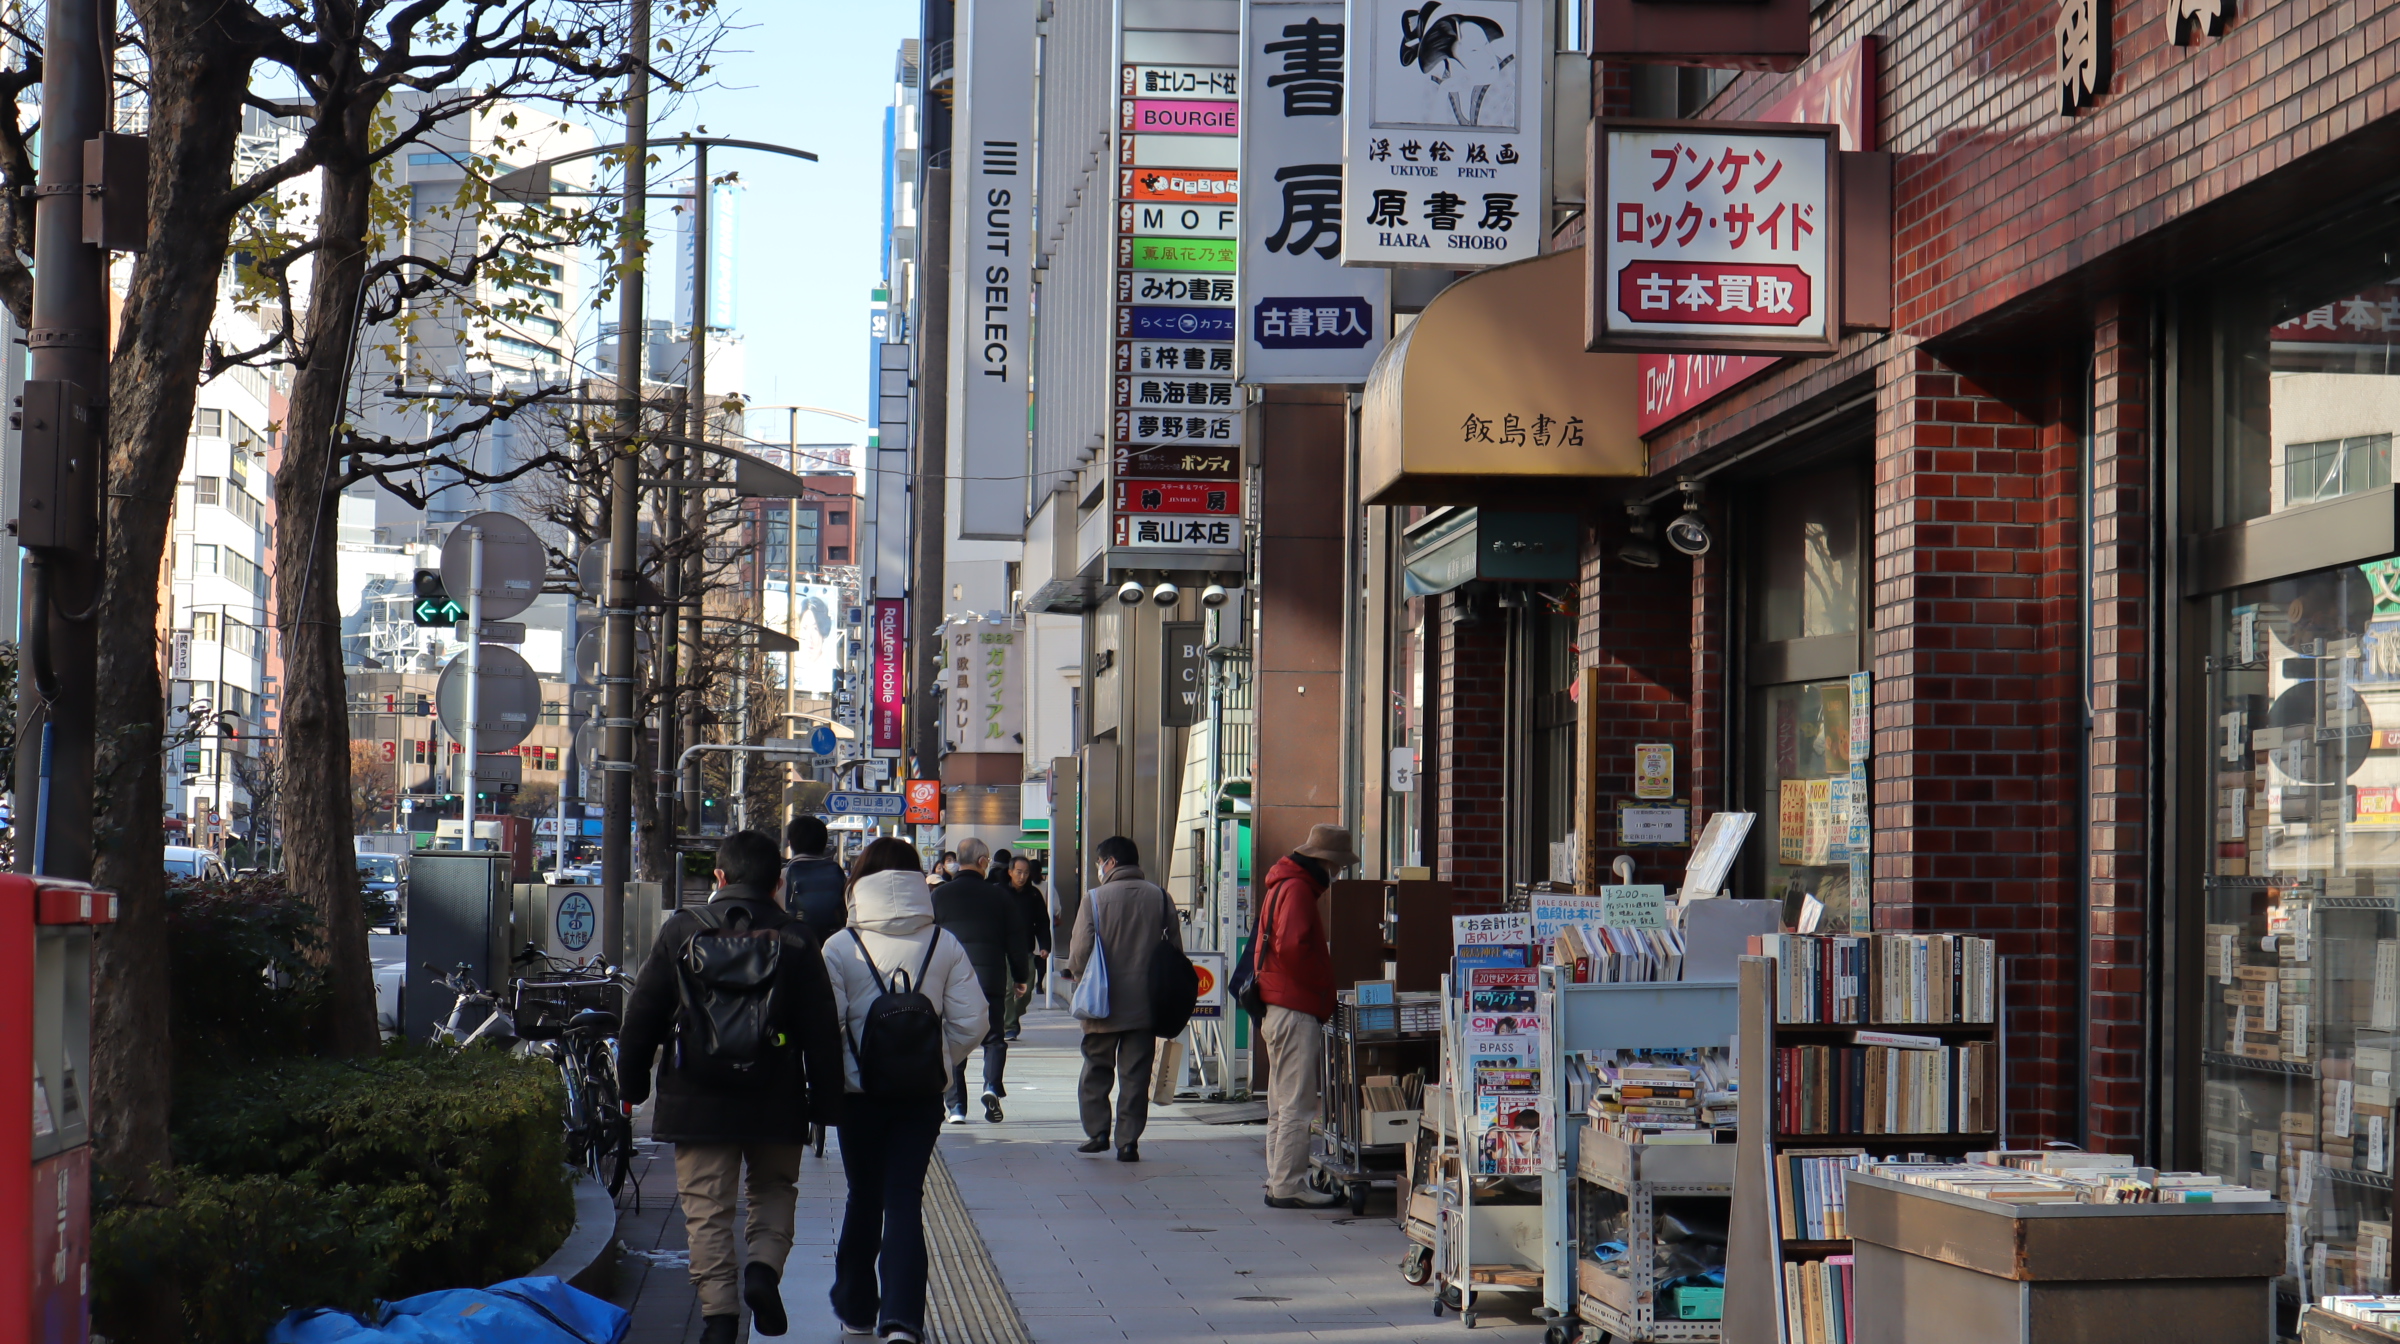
column 864, row 804
column 1722, row 237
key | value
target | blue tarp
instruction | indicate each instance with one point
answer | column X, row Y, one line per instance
column 517, row 1311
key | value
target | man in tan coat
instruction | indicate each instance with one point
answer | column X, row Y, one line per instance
column 1124, row 916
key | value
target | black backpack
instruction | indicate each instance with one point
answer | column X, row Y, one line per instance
column 725, row 984
column 1174, row 983
column 900, row 1051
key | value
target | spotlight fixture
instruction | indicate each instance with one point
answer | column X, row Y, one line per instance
column 1689, row 532
column 1214, row 595
column 1130, row 593
column 1166, row 594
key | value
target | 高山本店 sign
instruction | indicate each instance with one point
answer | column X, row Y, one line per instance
column 1715, row 236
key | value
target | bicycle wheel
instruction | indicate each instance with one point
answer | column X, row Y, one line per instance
column 612, row 1137
column 582, row 1129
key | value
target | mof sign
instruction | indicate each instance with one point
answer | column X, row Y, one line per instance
column 1717, row 236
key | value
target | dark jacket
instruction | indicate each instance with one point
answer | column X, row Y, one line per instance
column 1295, row 964
column 813, row 891
column 806, row 1083
column 983, row 916
column 1035, row 911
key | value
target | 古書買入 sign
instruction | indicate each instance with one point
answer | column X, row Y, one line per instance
column 1716, row 236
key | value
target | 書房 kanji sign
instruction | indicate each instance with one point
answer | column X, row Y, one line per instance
column 1715, row 236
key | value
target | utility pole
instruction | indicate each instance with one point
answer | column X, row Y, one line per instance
column 63, row 448
column 696, row 398
column 624, row 489
column 672, row 654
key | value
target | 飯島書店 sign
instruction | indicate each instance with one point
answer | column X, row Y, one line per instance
column 1714, row 236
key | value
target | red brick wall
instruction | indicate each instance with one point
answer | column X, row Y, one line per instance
column 1471, row 761
column 1996, row 194
column 2117, row 811
column 1634, row 626
column 1976, row 696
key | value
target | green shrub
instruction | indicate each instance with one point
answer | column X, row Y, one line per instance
column 244, row 979
column 345, row 1181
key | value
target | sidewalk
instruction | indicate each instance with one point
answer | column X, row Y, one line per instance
column 1177, row 1248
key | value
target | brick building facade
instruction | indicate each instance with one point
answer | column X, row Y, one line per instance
column 2075, row 451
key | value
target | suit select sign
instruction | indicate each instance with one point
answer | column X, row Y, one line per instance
column 1715, row 236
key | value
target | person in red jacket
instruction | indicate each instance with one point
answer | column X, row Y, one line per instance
column 1295, row 977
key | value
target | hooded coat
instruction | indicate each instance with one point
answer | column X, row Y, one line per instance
column 1295, row 963
column 799, row 1087
column 891, row 915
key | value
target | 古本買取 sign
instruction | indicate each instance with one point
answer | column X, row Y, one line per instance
column 1716, row 236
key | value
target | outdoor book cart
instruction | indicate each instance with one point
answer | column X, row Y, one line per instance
column 1478, row 1247
column 1352, row 1148
column 1599, row 1171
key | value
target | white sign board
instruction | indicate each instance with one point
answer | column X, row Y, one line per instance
column 991, row 260
column 1443, row 128
column 1305, row 318
column 1715, row 239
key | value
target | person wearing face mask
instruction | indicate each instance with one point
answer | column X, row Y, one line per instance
column 1124, row 917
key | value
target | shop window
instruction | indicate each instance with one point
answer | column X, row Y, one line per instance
column 1552, row 665
column 2290, row 758
column 1804, row 754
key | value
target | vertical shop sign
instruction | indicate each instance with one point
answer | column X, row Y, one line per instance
column 1715, row 236
column 1444, row 124
column 891, row 672
column 983, row 713
column 1174, row 411
column 1305, row 318
column 1185, row 667
column 991, row 258
column 921, row 802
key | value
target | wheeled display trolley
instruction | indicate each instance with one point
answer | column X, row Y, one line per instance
column 1353, row 1148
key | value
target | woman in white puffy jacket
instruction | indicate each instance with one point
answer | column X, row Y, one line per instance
column 887, row 1142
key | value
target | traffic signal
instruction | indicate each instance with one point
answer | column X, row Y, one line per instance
column 434, row 605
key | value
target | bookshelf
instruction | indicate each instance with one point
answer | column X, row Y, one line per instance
column 1758, row 1250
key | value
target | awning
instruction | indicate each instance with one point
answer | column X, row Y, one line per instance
column 1490, row 398
column 1450, row 547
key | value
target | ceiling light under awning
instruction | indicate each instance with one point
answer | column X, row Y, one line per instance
column 1490, row 398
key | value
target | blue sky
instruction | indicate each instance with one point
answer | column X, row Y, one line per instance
column 814, row 75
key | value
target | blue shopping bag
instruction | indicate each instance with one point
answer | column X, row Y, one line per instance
column 515, row 1311
column 1091, row 992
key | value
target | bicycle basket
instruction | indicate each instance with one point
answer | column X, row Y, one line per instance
column 544, row 1007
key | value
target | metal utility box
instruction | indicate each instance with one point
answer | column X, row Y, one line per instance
column 561, row 920
column 46, row 928
column 1934, row 1265
column 459, row 912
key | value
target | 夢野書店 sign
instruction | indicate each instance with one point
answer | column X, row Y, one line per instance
column 1714, row 236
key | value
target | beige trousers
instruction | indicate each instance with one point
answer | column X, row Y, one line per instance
column 706, row 1175
column 1295, row 1068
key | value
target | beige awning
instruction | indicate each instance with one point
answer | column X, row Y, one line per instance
column 1490, row 398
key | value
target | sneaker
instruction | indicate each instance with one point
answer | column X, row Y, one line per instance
column 1131, row 1152
column 1098, row 1145
column 991, row 1107
column 760, row 1293
column 849, row 1329
column 898, row 1334
column 1306, row 1199
column 958, row 1117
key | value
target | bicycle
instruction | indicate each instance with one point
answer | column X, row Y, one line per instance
column 500, row 1029
column 567, row 1016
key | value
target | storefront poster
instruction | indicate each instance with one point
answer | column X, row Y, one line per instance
column 1654, row 770
column 1306, row 318
column 1550, row 913
column 922, row 805
column 1640, row 906
column 1444, row 104
column 1489, row 930
column 1715, row 236
column 1211, row 966
column 891, row 672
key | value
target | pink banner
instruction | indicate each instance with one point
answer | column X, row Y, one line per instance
column 891, row 673
column 1840, row 92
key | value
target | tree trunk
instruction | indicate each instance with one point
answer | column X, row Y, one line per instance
column 319, row 852
column 198, row 76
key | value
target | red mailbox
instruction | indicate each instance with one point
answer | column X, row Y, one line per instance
column 46, row 927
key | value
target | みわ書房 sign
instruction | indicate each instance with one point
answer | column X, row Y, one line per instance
column 1714, row 236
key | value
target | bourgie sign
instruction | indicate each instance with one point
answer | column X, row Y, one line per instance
column 1715, row 236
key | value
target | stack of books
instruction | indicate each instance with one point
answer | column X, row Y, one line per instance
column 1590, row 955
column 1816, row 1301
column 2381, row 1310
column 1684, row 1096
column 1809, row 1196
column 1929, row 978
column 2066, row 1178
column 1887, row 1084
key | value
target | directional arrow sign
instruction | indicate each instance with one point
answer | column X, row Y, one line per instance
column 863, row 804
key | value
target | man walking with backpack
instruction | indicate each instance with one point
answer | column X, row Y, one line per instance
column 737, row 993
column 982, row 915
column 813, row 881
column 911, row 1011
column 1120, row 922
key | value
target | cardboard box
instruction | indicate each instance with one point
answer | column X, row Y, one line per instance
column 1388, row 1127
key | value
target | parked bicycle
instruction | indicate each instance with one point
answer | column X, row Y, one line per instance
column 497, row 1027
column 566, row 1013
